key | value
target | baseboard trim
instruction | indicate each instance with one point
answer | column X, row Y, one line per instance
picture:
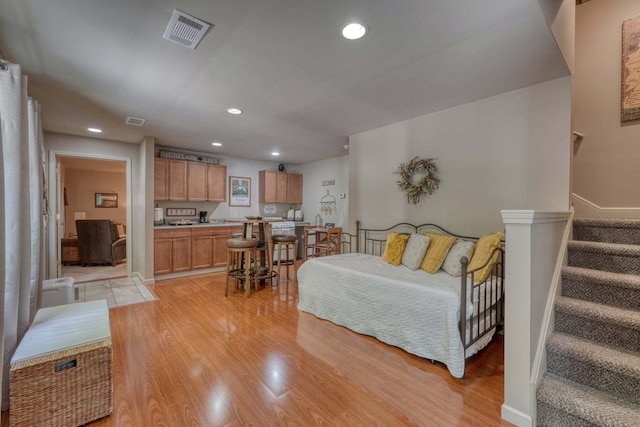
column 516, row 417
column 143, row 280
column 587, row 209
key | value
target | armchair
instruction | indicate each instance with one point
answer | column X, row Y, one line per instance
column 99, row 242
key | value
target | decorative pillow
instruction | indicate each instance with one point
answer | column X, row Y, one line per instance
column 395, row 248
column 459, row 249
column 485, row 245
column 414, row 251
column 439, row 245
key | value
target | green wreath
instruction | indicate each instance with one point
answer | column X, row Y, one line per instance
column 427, row 183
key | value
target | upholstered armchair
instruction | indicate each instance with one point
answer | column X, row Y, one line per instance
column 99, row 242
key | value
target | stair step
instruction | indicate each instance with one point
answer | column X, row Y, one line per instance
column 610, row 230
column 613, row 257
column 599, row 366
column 562, row 402
column 614, row 289
column 613, row 326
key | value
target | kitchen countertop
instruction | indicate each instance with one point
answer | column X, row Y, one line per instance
column 197, row 225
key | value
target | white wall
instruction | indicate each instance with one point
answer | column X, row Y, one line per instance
column 510, row 151
column 315, row 174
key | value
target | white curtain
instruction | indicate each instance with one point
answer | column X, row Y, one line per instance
column 22, row 211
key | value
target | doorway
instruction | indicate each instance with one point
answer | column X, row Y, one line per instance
column 90, row 189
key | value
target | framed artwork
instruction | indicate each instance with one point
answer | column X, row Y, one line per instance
column 239, row 191
column 106, row 200
column 630, row 97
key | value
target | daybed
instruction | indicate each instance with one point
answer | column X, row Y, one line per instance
column 411, row 309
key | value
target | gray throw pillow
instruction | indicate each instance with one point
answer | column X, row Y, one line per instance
column 414, row 251
column 459, row 249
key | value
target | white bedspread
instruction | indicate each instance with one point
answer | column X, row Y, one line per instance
column 413, row 310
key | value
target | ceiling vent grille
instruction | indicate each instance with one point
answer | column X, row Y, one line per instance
column 185, row 29
column 134, row 121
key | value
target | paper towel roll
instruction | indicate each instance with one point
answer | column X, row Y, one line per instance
column 158, row 215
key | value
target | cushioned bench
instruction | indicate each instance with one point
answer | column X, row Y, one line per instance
column 61, row 371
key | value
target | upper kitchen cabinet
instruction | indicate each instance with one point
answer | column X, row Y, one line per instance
column 294, row 188
column 216, row 183
column 280, row 187
column 183, row 180
column 178, row 172
column 161, row 179
column 196, row 182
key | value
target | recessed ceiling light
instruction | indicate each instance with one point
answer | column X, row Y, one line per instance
column 94, row 130
column 217, row 144
column 234, row 111
column 275, row 153
column 354, row 31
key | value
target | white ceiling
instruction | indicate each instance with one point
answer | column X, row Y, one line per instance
column 304, row 88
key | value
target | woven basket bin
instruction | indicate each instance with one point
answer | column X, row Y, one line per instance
column 70, row 387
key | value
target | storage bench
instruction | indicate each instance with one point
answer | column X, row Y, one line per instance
column 61, row 371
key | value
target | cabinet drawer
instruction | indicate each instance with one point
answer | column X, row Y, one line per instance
column 169, row 234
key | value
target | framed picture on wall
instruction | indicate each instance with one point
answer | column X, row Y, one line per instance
column 239, row 191
column 106, row 200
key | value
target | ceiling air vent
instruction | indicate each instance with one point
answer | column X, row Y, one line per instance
column 134, row 121
column 185, row 29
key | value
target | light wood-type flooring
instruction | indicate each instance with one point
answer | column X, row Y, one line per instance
column 196, row 358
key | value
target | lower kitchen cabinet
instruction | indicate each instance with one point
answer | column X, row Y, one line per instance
column 193, row 248
column 172, row 251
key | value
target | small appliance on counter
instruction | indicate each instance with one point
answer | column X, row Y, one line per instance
column 298, row 217
column 158, row 216
column 203, row 217
column 290, row 214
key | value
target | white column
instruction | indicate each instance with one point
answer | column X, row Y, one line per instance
column 532, row 245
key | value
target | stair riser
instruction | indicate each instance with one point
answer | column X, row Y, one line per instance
column 626, row 236
column 574, row 287
column 598, row 331
column 604, row 261
column 549, row 416
column 594, row 376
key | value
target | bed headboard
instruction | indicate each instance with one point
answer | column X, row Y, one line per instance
column 373, row 240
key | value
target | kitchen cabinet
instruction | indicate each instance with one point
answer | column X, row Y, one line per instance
column 178, row 180
column 216, row 183
column 280, row 187
column 161, row 179
column 182, row 180
column 222, row 234
column 196, row 182
column 201, row 248
column 294, row 188
column 172, row 251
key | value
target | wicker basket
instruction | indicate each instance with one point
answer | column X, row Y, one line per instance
column 69, row 388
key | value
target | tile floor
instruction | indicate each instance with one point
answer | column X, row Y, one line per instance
column 117, row 292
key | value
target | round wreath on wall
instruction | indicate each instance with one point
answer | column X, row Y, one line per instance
column 417, row 178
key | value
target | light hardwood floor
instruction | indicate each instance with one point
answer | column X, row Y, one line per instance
column 196, row 358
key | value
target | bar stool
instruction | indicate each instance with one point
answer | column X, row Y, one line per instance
column 237, row 251
column 285, row 242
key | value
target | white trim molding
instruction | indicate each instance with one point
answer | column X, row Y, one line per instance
column 587, row 209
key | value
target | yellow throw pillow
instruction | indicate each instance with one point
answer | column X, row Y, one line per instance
column 486, row 244
column 396, row 243
column 439, row 246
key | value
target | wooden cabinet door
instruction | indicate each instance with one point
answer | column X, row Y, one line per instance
column 201, row 250
column 196, row 182
column 294, row 188
column 181, row 254
column 163, row 256
column 161, row 179
column 221, row 235
column 177, row 180
column 216, row 183
column 267, row 186
column 281, row 187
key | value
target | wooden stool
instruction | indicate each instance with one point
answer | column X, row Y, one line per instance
column 285, row 242
column 237, row 251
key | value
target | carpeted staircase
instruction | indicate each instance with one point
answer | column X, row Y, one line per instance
column 593, row 355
